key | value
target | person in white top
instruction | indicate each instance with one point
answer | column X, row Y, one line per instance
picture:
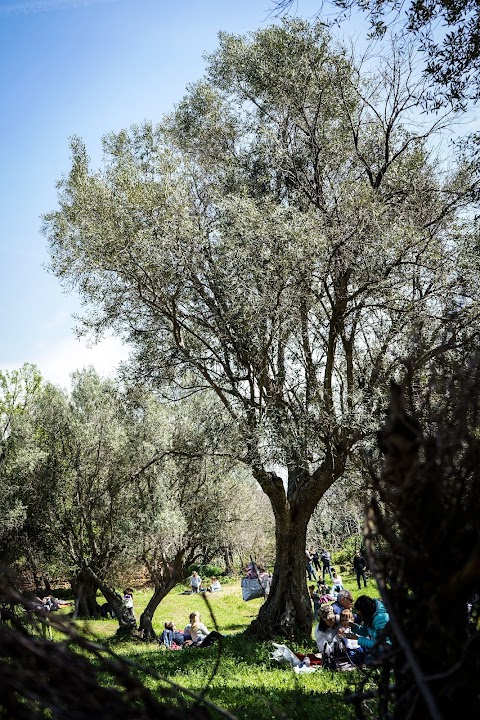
column 196, row 629
column 128, row 602
column 326, row 630
column 195, row 582
column 350, row 641
column 215, row 586
column 199, row 632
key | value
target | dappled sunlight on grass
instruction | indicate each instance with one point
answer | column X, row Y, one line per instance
column 247, row 682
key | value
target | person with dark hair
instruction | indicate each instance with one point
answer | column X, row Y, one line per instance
column 106, row 611
column 315, row 598
column 359, row 566
column 171, row 637
column 337, row 583
column 309, row 565
column 326, row 564
column 315, row 559
column 127, row 601
column 371, row 633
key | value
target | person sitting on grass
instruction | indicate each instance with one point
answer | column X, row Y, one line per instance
column 355, row 653
column 327, row 627
column 215, row 585
column 195, row 582
column 200, row 637
column 371, row 634
column 337, row 584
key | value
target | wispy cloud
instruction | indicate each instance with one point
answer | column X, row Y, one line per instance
column 28, row 7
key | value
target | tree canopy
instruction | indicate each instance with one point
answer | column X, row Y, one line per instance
column 447, row 33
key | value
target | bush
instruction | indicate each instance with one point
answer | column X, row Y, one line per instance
column 211, row 571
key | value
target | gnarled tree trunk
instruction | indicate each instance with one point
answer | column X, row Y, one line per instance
column 84, row 590
column 287, row 609
column 164, row 579
column 126, row 619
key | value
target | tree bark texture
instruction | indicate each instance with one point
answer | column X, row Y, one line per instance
column 146, row 627
column 287, row 609
column 85, row 594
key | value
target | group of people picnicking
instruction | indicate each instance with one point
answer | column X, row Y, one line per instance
column 354, row 630
column 194, row 634
column 357, row 629
column 196, row 584
column 343, row 626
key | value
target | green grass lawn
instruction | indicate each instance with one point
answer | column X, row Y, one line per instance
column 247, row 682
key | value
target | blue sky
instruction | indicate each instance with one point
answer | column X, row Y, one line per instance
column 86, row 68
column 83, row 67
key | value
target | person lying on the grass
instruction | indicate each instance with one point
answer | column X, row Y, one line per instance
column 172, row 636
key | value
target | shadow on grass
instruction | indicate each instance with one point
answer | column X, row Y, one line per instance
column 249, row 684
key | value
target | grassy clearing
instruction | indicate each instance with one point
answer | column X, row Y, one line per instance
column 246, row 682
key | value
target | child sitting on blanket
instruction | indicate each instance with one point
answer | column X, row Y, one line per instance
column 353, row 649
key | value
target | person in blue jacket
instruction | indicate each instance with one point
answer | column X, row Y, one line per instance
column 371, row 633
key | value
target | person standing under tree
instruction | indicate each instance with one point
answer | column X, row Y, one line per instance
column 326, row 564
column 309, row 565
column 359, row 566
column 128, row 602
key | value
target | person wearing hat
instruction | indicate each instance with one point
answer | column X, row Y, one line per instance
column 327, row 627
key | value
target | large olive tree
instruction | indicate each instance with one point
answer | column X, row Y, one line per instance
column 285, row 239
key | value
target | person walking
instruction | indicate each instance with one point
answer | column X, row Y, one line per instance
column 359, row 566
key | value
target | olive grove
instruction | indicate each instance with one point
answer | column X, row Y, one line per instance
column 287, row 239
column 100, row 481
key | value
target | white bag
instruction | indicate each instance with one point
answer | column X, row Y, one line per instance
column 283, row 654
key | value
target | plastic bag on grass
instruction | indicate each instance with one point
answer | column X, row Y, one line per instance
column 283, row 654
